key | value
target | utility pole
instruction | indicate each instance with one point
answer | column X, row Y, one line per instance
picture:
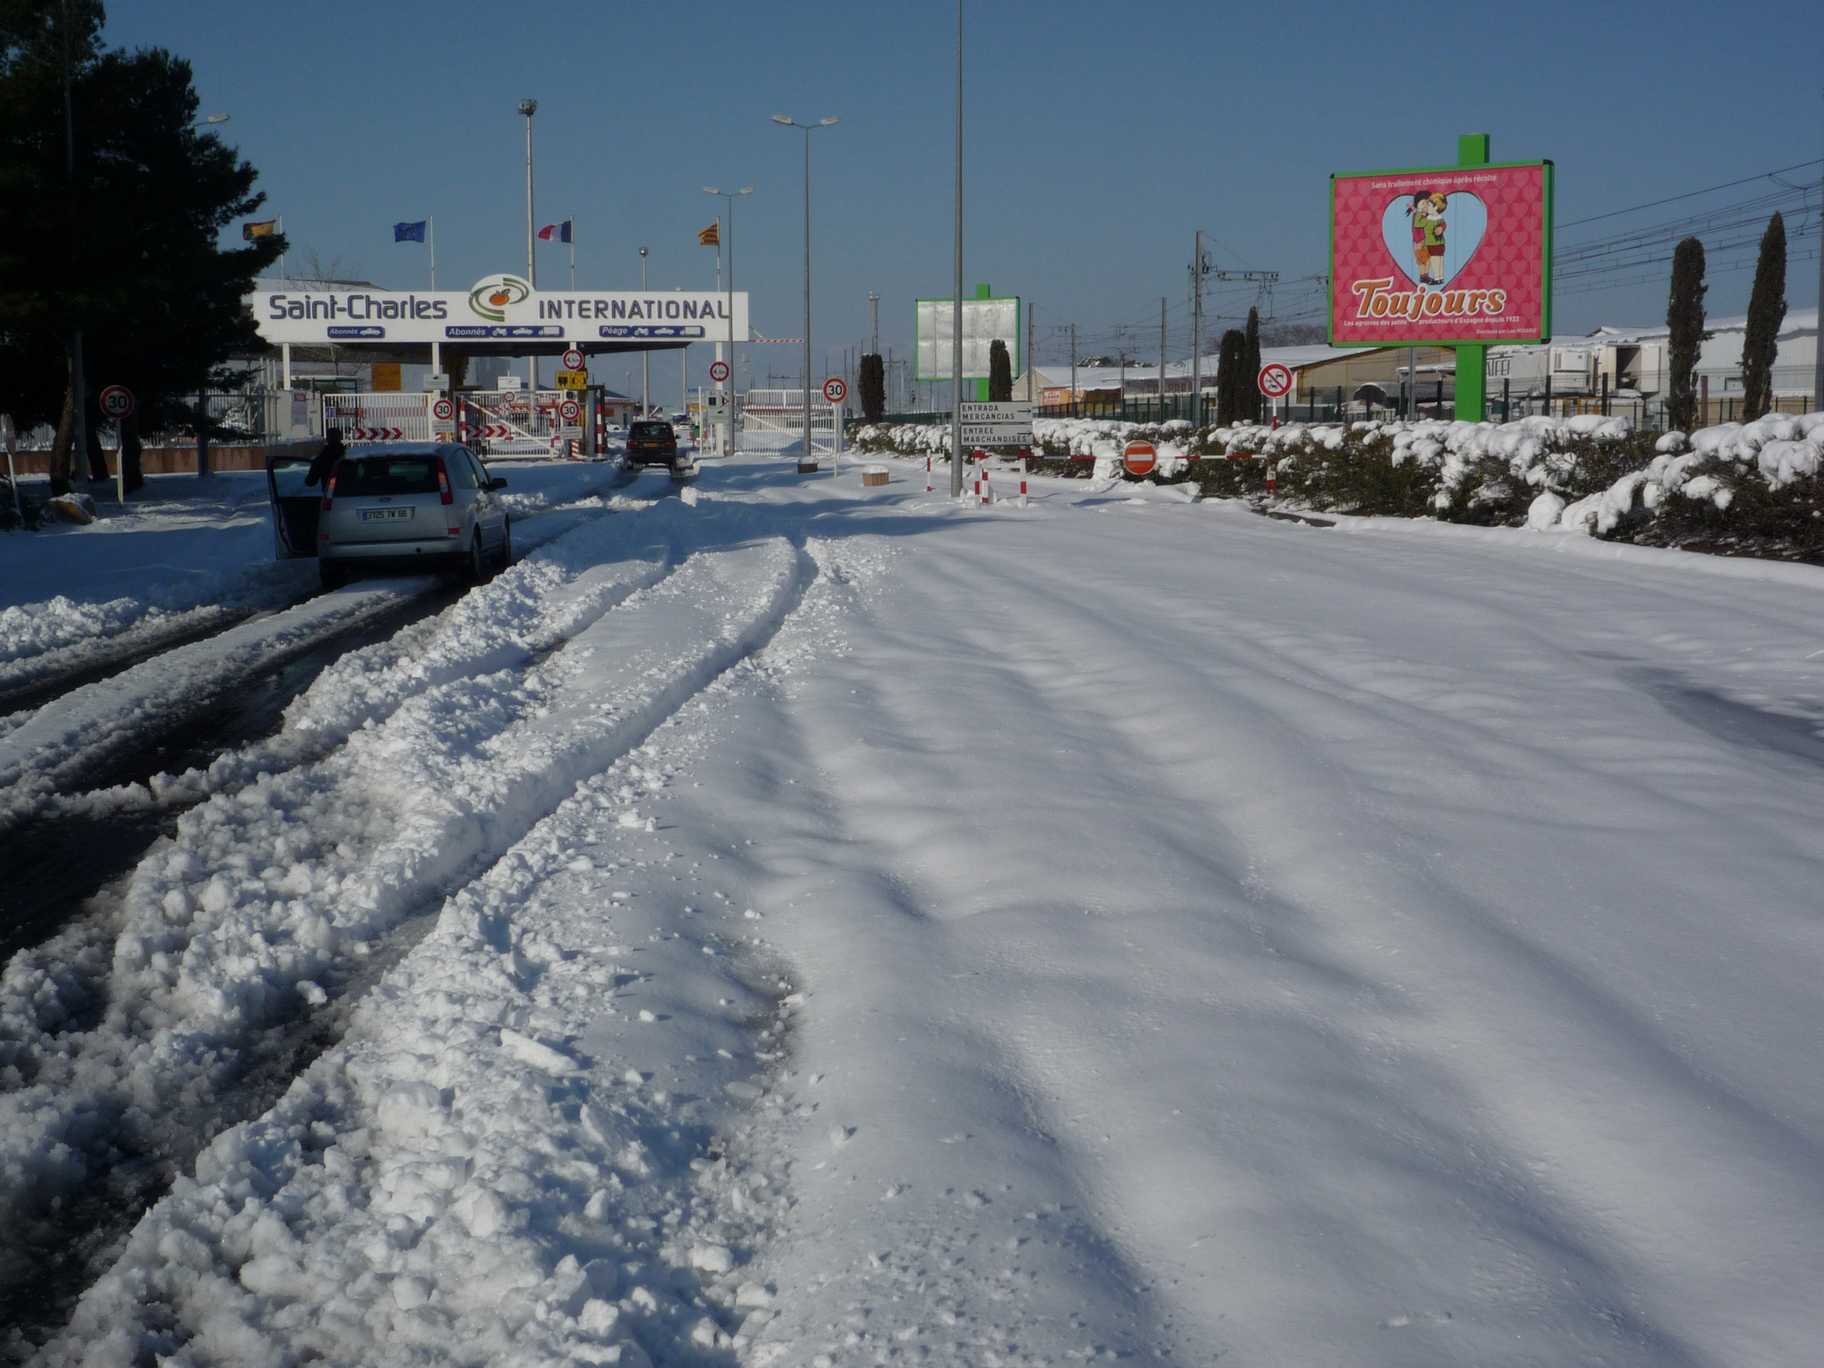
column 529, row 108
column 1162, row 358
column 1121, row 361
column 1073, row 370
column 874, row 323
column 1198, row 266
column 1032, row 314
column 645, row 356
column 1817, row 371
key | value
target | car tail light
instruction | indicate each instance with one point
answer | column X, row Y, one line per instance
column 329, row 490
column 443, row 482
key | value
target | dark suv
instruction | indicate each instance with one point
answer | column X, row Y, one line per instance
column 652, row 443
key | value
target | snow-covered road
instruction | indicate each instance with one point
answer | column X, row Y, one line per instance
column 822, row 925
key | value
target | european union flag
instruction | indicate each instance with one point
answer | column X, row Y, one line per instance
column 409, row 232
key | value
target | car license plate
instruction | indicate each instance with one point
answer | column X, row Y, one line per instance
column 385, row 514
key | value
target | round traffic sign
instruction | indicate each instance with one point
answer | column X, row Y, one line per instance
column 571, row 410
column 116, row 401
column 835, row 389
column 1275, row 380
column 573, row 359
column 443, row 410
column 1139, row 458
column 718, row 371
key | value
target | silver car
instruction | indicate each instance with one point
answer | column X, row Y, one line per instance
column 411, row 505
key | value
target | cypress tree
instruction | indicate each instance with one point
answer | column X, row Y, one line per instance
column 1231, row 359
column 1251, row 367
column 1000, row 373
column 1766, row 310
column 872, row 382
column 1685, row 329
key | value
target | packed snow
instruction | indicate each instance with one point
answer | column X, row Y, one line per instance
column 814, row 924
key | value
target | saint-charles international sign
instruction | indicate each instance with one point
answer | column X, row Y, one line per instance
column 498, row 309
column 1440, row 256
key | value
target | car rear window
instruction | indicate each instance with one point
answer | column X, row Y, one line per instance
column 357, row 475
column 653, row 430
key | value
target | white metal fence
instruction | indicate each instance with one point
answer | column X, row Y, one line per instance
column 384, row 417
column 515, row 422
column 772, row 420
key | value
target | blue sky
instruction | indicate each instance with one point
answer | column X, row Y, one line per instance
column 1098, row 137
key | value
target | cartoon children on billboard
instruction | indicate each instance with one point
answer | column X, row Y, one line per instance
column 1427, row 214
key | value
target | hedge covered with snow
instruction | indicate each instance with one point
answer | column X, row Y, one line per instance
column 1753, row 487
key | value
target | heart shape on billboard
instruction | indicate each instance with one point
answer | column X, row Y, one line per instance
column 1432, row 236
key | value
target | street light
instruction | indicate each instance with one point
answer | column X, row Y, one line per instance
column 728, row 386
column 529, row 108
column 645, row 356
column 809, row 129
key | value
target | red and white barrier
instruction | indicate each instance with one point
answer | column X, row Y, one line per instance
column 984, row 483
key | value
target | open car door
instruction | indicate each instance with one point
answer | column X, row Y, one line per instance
column 295, row 505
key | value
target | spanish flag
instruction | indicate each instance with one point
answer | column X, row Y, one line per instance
column 264, row 228
column 710, row 236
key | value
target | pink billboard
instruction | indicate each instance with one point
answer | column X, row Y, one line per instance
column 1457, row 254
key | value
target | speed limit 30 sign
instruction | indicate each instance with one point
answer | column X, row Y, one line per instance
column 835, row 389
column 116, row 401
column 570, row 410
column 443, row 410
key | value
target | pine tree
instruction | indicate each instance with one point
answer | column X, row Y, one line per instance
column 1685, row 334
column 1251, row 367
column 1000, row 373
column 1766, row 310
column 872, row 382
column 1231, row 359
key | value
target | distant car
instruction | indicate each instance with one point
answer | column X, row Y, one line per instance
column 410, row 505
column 650, row 442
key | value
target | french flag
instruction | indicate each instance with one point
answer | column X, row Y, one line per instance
column 558, row 232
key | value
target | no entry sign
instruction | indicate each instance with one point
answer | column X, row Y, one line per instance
column 835, row 389
column 718, row 371
column 1275, row 380
column 1139, row 458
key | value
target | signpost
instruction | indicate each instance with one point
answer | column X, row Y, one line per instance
column 718, row 371
column 1275, row 380
column 117, row 402
column 443, row 410
column 1449, row 256
column 573, row 360
column 1139, row 458
column 836, row 389
column 570, row 411
column 996, row 424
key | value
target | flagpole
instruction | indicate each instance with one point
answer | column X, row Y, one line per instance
column 430, row 232
column 572, row 256
column 281, row 254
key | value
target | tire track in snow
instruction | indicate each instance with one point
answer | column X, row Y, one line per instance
column 1370, row 708
column 251, row 916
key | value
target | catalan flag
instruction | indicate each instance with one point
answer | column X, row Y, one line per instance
column 710, row 236
column 263, row 228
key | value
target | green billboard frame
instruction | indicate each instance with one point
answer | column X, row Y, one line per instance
column 983, row 293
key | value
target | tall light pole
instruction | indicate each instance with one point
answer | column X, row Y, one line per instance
column 529, row 108
column 645, row 356
column 808, row 130
column 728, row 385
column 956, row 324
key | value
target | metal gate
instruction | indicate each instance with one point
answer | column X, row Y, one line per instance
column 773, row 421
column 388, row 417
column 512, row 422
